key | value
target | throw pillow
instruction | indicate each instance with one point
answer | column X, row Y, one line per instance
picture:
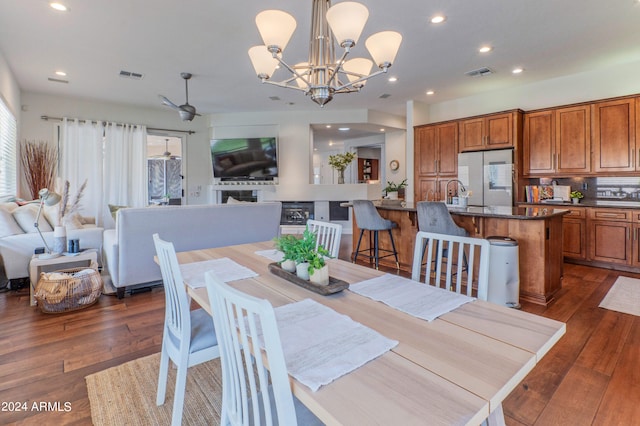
column 26, row 217
column 8, row 225
column 232, row 200
column 114, row 210
column 51, row 214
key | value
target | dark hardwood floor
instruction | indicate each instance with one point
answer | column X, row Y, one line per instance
column 592, row 376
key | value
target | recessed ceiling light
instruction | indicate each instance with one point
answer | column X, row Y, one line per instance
column 393, row 79
column 517, row 70
column 61, row 73
column 382, row 130
column 59, row 6
column 438, row 19
column 344, row 129
column 328, row 126
column 430, row 92
column 485, row 49
column 330, row 143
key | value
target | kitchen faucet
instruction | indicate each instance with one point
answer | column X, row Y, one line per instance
column 449, row 196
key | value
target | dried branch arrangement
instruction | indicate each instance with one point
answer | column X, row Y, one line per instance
column 39, row 161
column 67, row 209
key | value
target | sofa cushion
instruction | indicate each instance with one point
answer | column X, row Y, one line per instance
column 9, row 206
column 26, row 217
column 8, row 224
column 51, row 213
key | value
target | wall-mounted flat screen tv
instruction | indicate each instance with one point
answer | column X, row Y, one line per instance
column 245, row 158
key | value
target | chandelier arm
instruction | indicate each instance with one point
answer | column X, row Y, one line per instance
column 361, row 79
column 296, row 74
column 338, row 68
column 283, row 84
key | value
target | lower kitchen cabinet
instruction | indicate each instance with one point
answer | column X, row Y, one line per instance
column 574, row 234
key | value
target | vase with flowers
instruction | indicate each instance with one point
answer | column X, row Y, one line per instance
column 67, row 212
column 340, row 163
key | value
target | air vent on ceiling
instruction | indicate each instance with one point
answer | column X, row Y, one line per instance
column 480, row 72
column 132, row 75
column 274, row 98
column 58, row 80
column 384, row 96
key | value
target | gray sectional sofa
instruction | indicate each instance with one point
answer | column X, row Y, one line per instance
column 129, row 251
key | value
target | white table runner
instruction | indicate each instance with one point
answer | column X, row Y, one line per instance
column 321, row 345
column 225, row 268
column 414, row 298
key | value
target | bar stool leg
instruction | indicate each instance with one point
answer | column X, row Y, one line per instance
column 395, row 252
column 355, row 256
column 375, row 248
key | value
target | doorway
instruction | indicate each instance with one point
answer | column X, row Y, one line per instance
column 165, row 170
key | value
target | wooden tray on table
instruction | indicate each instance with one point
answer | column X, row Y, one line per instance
column 335, row 285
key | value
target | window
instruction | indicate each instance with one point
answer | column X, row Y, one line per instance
column 8, row 150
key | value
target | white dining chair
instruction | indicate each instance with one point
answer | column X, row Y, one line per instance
column 327, row 234
column 238, row 319
column 189, row 337
column 446, row 252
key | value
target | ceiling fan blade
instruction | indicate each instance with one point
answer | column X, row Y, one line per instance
column 168, row 103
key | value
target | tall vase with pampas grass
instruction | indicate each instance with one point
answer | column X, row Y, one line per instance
column 66, row 209
column 39, row 161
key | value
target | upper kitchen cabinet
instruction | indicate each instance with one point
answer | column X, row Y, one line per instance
column 436, row 159
column 436, row 149
column 557, row 141
column 493, row 131
column 614, row 136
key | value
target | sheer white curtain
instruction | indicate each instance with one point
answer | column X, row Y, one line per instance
column 80, row 159
column 125, row 165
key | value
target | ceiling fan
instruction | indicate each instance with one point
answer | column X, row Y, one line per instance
column 186, row 111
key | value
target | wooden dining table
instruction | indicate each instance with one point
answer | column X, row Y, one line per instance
column 454, row 370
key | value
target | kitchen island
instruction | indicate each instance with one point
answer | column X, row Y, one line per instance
column 538, row 231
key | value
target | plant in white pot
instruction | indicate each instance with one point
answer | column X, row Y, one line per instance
column 310, row 260
column 393, row 189
column 287, row 244
column 576, row 196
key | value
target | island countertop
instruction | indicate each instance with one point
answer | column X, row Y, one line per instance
column 538, row 231
column 505, row 212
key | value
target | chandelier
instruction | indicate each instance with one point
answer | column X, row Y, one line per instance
column 322, row 76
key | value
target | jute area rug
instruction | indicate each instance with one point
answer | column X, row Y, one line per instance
column 624, row 296
column 126, row 394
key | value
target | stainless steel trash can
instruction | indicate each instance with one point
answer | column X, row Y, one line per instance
column 504, row 273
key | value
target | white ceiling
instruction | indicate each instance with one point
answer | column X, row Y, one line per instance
column 97, row 39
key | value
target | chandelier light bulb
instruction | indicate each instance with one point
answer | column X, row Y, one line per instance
column 359, row 66
column 383, row 47
column 263, row 61
column 347, row 20
column 276, row 28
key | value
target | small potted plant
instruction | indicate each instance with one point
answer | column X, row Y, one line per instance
column 576, row 196
column 393, row 189
column 310, row 261
column 288, row 245
column 340, row 163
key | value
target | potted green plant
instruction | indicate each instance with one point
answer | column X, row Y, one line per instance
column 288, row 245
column 393, row 189
column 340, row 163
column 576, row 196
column 310, row 261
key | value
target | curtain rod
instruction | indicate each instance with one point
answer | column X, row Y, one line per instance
column 190, row 132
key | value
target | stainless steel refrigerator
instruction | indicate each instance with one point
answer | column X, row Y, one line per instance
column 489, row 175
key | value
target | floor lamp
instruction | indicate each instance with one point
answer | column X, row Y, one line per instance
column 49, row 198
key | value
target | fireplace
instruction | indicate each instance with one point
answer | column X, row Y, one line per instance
column 296, row 212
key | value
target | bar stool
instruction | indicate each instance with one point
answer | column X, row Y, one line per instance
column 368, row 219
column 433, row 216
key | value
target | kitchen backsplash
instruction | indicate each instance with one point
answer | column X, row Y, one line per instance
column 600, row 188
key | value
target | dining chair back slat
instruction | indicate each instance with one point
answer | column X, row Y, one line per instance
column 446, row 252
column 251, row 393
column 328, row 235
